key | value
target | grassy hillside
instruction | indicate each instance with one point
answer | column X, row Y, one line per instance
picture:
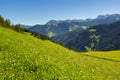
column 110, row 55
column 23, row 57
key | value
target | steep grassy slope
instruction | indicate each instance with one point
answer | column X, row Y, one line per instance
column 23, row 57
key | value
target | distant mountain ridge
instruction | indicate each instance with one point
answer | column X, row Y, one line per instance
column 107, row 18
column 59, row 27
column 25, row 26
column 55, row 22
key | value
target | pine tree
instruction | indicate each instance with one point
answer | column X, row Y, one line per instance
column 18, row 28
column 1, row 21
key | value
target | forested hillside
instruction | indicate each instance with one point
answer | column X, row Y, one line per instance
column 104, row 37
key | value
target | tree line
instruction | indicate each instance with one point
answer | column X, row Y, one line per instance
column 7, row 24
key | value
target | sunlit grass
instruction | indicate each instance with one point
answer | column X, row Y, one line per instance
column 23, row 57
column 114, row 55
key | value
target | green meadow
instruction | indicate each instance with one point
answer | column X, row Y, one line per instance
column 24, row 57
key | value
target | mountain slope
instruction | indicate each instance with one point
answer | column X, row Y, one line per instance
column 53, row 30
column 102, row 38
column 101, row 19
column 59, row 27
column 64, row 38
column 24, row 57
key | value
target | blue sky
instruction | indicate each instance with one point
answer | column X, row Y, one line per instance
column 32, row 12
